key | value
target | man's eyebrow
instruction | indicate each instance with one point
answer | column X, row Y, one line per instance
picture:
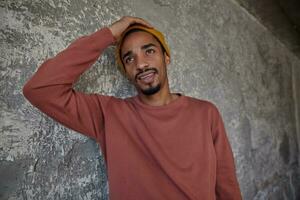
column 126, row 54
column 148, row 45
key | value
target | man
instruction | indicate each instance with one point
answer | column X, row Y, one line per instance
column 157, row 145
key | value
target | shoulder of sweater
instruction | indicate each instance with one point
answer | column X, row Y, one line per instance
column 210, row 108
column 202, row 102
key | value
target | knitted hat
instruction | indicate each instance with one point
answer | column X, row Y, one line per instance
column 157, row 34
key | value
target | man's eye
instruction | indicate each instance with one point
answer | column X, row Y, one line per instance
column 150, row 51
column 128, row 60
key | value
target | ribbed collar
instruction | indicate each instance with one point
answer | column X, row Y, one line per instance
column 172, row 105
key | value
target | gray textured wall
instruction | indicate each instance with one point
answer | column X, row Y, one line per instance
column 219, row 53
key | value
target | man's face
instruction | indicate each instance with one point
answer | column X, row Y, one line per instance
column 145, row 62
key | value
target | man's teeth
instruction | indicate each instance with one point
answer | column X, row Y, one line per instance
column 146, row 75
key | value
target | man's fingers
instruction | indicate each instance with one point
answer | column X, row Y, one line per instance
column 121, row 25
column 136, row 20
column 142, row 22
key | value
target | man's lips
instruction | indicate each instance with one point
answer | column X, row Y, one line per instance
column 146, row 77
column 146, row 74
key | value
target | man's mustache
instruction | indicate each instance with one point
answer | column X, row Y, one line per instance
column 145, row 70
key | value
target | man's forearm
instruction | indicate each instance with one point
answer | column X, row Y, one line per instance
column 50, row 88
column 56, row 76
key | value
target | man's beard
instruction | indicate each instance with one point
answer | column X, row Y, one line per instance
column 153, row 89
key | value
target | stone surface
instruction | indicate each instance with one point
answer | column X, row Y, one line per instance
column 219, row 53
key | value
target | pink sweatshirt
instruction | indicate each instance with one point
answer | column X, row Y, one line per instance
column 179, row 151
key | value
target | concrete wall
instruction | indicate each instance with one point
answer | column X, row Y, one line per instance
column 219, row 53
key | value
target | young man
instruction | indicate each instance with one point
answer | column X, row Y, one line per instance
column 157, row 145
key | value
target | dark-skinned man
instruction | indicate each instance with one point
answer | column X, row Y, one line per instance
column 157, row 145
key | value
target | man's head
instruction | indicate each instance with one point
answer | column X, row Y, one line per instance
column 142, row 55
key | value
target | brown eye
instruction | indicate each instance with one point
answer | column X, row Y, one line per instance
column 129, row 59
column 150, row 51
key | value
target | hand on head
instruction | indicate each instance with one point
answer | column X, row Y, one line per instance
column 118, row 27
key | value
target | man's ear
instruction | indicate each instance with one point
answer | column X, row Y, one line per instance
column 167, row 59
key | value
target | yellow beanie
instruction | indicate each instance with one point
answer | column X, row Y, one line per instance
column 157, row 34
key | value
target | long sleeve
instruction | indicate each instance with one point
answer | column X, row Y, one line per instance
column 50, row 88
column 227, row 187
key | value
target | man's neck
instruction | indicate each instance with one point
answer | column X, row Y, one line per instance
column 160, row 98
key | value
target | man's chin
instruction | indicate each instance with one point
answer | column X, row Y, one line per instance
column 151, row 90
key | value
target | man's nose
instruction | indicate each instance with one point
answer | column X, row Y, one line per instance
column 141, row 62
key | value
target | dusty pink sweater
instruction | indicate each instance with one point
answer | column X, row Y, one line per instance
column 175, row 152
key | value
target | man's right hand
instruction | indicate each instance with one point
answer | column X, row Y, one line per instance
column 118, row 27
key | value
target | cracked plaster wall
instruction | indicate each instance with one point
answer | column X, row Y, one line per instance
column 219, row 53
